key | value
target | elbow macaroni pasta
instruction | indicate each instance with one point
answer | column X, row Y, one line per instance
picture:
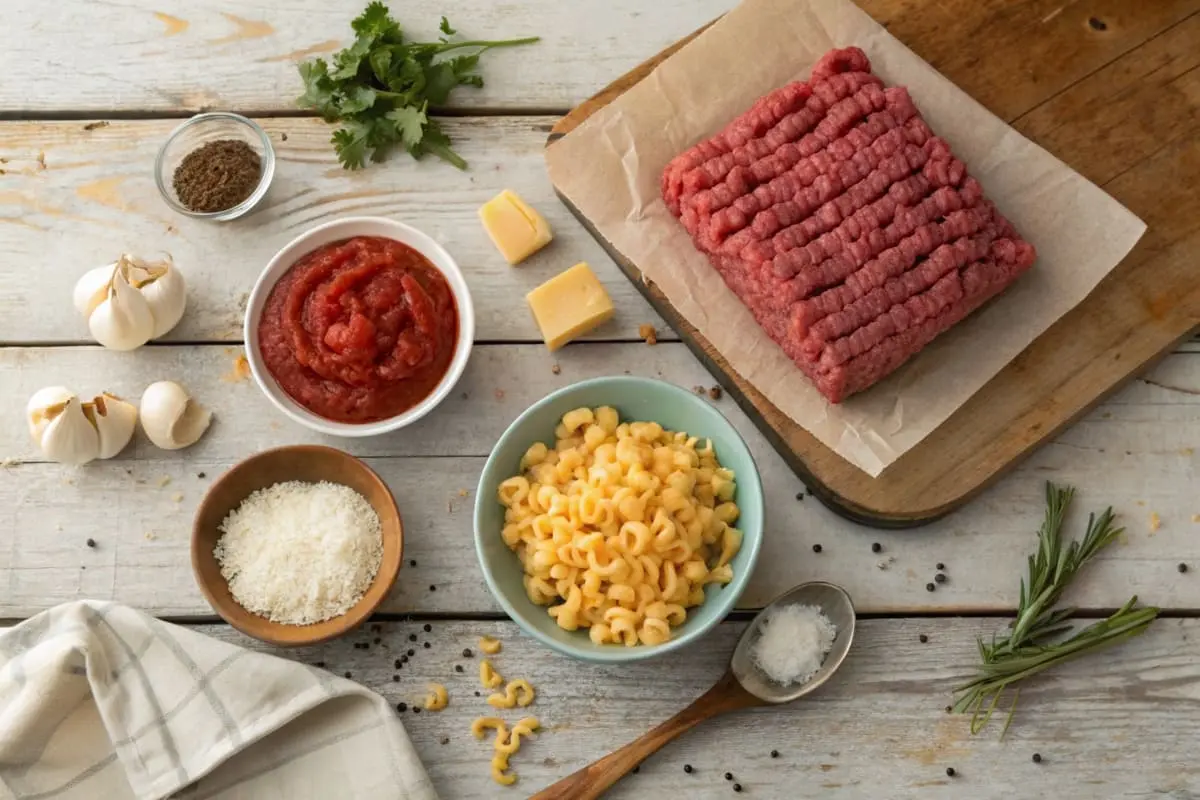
column 516, row 693
column 488, row 675
column 489, row 645
column 620, row 526
column 437, row 699
column 505, row 744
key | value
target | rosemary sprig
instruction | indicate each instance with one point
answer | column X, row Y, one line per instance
column 1035, row 640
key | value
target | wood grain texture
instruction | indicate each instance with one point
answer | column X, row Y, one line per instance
column 1146, row 150
column 1137, row 452
column 143, row 56
column 71, row 198
column 1113, row 725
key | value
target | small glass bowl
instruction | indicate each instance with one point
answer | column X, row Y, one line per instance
column 199, row 130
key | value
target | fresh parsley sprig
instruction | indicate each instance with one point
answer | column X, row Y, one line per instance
column 1035, row 641
column 381, row 88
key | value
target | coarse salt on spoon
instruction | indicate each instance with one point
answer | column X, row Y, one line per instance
column 744, row 685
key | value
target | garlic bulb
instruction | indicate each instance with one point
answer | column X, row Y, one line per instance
column 131, row 302
column 73, row 432
column 170, row 418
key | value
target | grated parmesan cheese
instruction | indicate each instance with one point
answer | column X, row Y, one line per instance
column 298, row 553
column 792, row 643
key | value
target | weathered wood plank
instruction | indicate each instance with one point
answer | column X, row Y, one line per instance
column 1113, row 725
column 1137, row 452
column 143, row 56
column 72, row 198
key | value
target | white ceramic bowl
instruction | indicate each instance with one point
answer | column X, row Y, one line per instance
column 336, row 231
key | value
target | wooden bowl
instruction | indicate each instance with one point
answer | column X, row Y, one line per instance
column 311, row 464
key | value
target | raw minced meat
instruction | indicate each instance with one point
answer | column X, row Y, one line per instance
column 846, row 226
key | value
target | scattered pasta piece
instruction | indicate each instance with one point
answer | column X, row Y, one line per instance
column 500, row 773
column 437, row 699
column 512, row 743
column 488, row 675
column 489, row 645
column 516, row 693
column 620, row 526
column 482, row 725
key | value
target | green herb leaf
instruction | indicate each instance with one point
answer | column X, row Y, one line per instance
column 351, row 146
column 1035, row 641
column 410, row 122
column 380, row 87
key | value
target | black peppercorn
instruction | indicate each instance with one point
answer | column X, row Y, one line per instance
column 403, row 659
column 467, row 652
column 395, row 679
column 687, row 768
column 939, row 566
column 949, row 710
column 728, row 776
column 1037, row 758
column 816, row 548
column 774, row 754
column 428, row 645
column 799, row 495
column 416, row 709
column 876, row 547
column 923, row 638
column 737, row 787
column 347, row 674
column 477, row 694
column 950, row 773
column 92, row 543
column 1182, row 567
column 428, row 627
column 412, row 562
column 940, row 578
column 412, row 653
column 458, row 668
column 397, row 663
column 201, row 475
column 432, row 588
column 412, row 637
column 929, row 587
column 402, row 706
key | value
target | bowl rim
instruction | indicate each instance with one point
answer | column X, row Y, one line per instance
column 356, row 615
column 233, row 212
column 292, row 252
column 610, row 654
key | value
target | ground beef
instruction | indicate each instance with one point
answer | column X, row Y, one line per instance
column 846, row 226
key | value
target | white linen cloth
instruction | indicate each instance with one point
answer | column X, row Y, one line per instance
column 100, row 701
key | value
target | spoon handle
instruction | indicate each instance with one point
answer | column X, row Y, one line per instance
column 591, row 781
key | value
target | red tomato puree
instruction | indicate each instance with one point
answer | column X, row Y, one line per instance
column 359, row 330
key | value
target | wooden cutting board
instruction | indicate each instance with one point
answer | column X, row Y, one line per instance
column 1114, row 92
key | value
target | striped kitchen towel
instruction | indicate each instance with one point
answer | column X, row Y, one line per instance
column 103, row 702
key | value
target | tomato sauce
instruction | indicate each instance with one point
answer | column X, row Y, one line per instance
column 359, row 330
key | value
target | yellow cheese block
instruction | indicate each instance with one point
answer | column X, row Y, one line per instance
column 569, row 305
column 516, row 229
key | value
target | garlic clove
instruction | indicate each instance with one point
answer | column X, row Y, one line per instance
column 170, row 418
column 70, row 437
column 92, row 288
column 114, row 420
column 166, row 293
column 123, row 321
column 43, row 407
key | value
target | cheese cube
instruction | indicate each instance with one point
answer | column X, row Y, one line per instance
column 516, row 229
column 569, row 305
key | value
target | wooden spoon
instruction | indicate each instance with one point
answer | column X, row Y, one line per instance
column 742, row 686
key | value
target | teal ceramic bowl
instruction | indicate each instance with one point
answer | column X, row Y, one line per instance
column 638, row 399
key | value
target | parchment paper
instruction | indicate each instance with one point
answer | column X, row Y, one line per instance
column 611, row 165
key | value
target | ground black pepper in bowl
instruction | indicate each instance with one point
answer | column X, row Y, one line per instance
column 217, row 176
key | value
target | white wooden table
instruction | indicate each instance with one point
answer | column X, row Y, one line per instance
column 72, row 195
